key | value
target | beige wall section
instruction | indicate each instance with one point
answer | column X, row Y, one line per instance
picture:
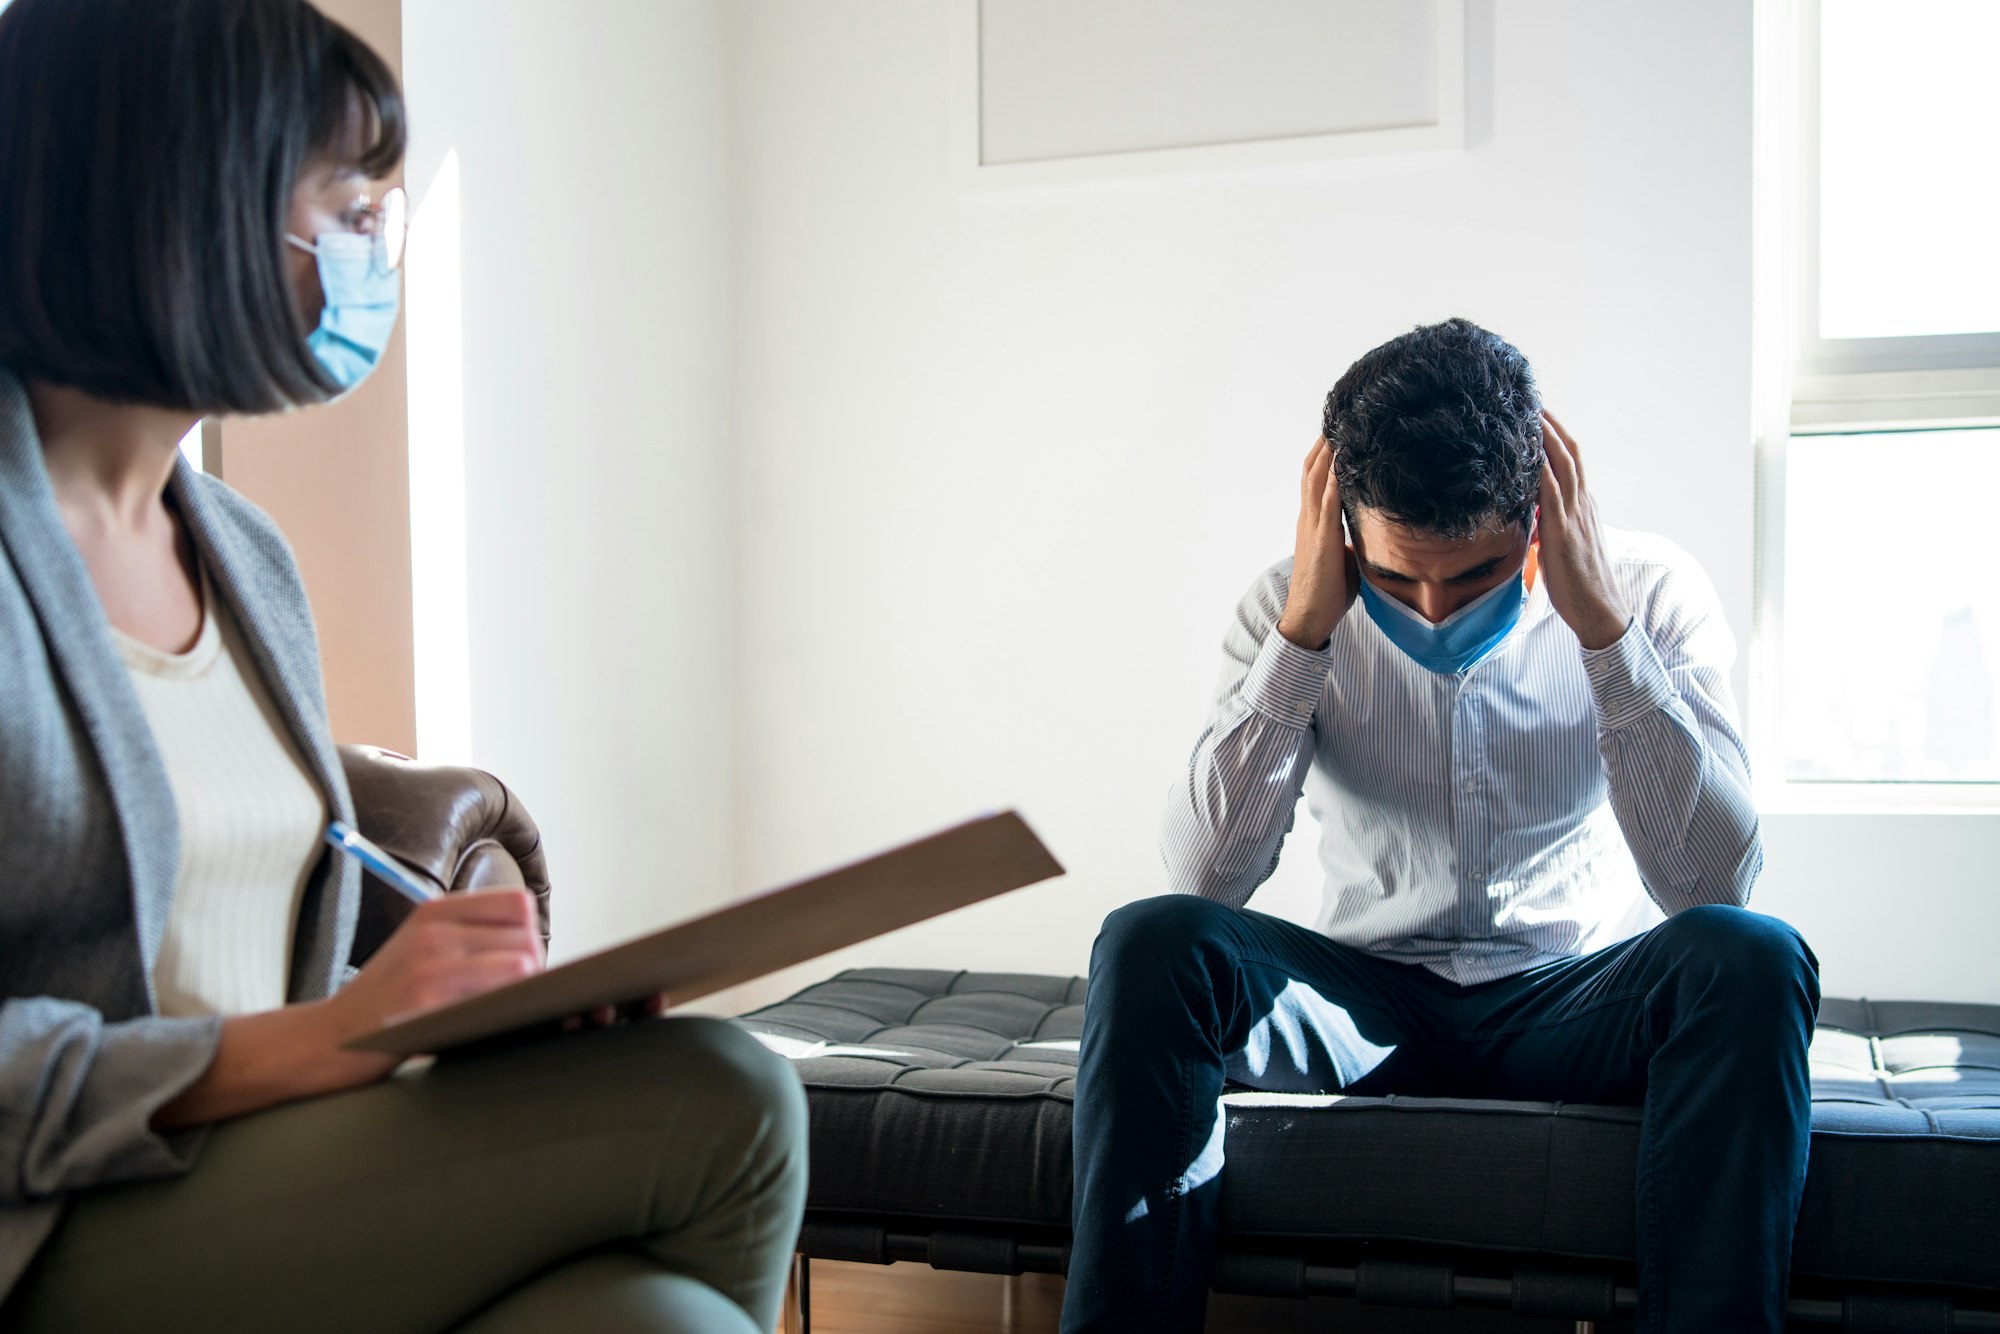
column 336, row 479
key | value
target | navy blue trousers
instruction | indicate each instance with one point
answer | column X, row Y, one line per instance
column 1703, row 1022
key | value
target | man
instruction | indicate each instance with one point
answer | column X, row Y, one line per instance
column 1537, row 833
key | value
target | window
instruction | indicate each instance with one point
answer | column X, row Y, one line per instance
column 1908, row 202
column 1877, row 657
column 1891, row 619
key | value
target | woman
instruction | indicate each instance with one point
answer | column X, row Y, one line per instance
column 185, row 230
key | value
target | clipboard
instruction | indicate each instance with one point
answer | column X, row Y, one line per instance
column 744, row 940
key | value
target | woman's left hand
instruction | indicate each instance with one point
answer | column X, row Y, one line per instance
column 608, row 1016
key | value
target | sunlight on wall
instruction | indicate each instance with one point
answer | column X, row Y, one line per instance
column 437, row 471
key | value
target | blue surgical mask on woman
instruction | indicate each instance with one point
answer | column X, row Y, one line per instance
column 361, row 298
column 1461, row 640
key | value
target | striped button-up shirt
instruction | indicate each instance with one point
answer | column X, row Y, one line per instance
column 1548, row 802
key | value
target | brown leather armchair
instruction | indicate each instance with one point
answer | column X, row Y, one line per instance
column 458, row 828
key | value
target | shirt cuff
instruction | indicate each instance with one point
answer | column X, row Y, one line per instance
column 1286, row 681
column 1627, row 679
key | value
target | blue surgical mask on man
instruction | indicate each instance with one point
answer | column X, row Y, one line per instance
column 1460, row 641
column 361, row 296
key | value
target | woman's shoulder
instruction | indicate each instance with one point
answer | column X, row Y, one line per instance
column 236, row 513
column 236, row 529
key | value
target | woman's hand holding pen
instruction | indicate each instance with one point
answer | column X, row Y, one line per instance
column 451, row 949
column 447, row 950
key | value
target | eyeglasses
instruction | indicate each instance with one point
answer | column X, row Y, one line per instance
column 386, row 223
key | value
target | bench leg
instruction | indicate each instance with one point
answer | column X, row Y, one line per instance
column 798, row 1298
column 1586, row 1327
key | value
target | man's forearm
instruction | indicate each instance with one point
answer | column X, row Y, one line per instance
column 1232, row 810
column 1679, row 783
column 1235, row 804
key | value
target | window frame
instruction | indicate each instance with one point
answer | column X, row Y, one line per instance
column 1804, row 385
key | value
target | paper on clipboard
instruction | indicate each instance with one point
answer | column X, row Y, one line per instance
column 751, row 937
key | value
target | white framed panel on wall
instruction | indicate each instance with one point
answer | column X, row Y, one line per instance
column 1054, row 92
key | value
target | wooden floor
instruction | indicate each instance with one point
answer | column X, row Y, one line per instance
column 916, row 1299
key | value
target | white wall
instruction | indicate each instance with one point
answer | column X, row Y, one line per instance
column 1006, row 460
column 1894, row 905
column 815, row 500
column 595, row 400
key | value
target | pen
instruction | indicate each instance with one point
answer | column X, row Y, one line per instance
column 399, row 877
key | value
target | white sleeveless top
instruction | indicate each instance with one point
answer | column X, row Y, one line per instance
column 250, row 821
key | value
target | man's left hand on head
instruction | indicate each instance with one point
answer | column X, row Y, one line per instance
column 1574, row 558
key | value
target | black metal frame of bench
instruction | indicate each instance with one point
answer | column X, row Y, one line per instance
column 1379, row 1274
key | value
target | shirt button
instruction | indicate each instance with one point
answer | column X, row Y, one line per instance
column 1472, row 785
column 1479, row 877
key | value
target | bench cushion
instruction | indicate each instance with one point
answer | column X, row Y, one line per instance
column 946, row 1095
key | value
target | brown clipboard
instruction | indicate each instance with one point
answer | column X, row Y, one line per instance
column 751, row 937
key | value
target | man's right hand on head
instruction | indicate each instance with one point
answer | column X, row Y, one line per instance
column 1324, row 576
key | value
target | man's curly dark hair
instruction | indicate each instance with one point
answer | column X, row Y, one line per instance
column 1440, row 430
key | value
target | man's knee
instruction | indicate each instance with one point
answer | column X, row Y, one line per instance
column 1154, row 956
column 1155, row 930
column 1745, row 951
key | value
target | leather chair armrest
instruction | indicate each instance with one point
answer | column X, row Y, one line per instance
column 459, row 828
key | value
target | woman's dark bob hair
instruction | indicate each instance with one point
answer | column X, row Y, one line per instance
column 148, row 154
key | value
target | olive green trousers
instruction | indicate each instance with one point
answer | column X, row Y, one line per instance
column 649, row 1177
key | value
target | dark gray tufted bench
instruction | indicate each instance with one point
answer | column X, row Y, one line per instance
column 940, row 1132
